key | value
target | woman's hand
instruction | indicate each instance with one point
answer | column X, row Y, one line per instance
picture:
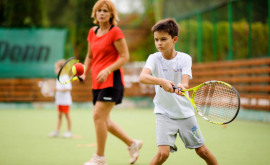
column 102, row 75
column 83, row 77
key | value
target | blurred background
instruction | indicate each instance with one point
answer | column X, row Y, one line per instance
column 225, row 33
column 228, row 40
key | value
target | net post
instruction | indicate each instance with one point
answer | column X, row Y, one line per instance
column 199, row 39
column 214, row 15
column 268, row 28
column 249, row 28
column 230, row 17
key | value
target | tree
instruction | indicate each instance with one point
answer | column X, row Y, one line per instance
column 23, row 14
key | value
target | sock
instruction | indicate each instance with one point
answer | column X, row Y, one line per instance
column 100, row 157
column 131, row 144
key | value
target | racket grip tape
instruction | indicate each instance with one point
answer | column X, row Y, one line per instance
column 80, row 79
column 174, row 87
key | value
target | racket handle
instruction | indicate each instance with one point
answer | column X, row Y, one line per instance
column 81, row 80
column 174, row 87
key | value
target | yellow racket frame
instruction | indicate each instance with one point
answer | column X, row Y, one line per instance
column 74, row 77
column 195, row 89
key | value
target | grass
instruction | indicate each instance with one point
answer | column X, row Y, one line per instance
column 24, row 141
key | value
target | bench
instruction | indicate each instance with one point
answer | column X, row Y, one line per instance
column 251, row 78
column 27, row 90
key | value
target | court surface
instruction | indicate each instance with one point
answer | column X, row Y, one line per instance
column 24, row 141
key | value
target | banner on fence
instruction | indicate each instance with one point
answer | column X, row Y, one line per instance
column 30, row 53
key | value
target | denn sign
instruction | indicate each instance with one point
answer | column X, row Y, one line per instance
column 28, row 53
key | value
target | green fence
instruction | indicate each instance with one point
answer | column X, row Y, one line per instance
column 220, row 30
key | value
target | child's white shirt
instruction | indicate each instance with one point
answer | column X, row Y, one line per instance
column 171, row 104
column 63, row 98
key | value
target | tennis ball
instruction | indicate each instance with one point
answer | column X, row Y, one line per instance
column 78, row 69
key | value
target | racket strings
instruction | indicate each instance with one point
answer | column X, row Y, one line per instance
column 47, row 88
column 66, row 73
column 217, row 102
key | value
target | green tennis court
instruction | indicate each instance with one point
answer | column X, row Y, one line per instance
column 24, row 141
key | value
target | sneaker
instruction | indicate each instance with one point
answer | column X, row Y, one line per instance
column 96, row 160
column 54, row 134
column 68, row 134
column 134, row 150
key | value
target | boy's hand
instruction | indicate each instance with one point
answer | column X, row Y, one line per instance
column 178, row 91
column 167, row 86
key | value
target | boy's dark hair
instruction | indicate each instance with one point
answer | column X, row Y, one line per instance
column 167, row 25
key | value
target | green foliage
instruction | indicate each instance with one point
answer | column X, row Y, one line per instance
column 146, row 45
column 259, row 39
column 188, row 36
column 2, row 12
column 81, row 43
column 23, row 14
column 83, row 24
column 75, row 15
column 59, row 13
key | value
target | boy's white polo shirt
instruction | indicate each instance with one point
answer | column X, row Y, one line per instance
column 170, row 104
column 63, row 98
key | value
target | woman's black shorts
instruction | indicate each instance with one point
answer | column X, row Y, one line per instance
column 111, row 94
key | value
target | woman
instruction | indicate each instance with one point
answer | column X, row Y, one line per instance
column 107, row 53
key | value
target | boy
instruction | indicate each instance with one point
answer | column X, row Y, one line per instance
column 174, row 114
column 63, row 101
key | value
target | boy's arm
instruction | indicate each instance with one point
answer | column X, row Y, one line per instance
column 146, row 78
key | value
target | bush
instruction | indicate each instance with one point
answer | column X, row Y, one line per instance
column 188, row 39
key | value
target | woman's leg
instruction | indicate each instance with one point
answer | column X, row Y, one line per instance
column 101, row 113
column 133, row 145
column 117, row 131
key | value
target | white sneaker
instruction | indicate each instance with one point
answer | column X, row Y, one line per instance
column 68, row 134
column 96, row 160
column 134, row 150
column 54, row 134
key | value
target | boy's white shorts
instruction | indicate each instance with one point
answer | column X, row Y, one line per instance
column 188, row 129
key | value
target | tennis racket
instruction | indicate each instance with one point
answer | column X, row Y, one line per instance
column 47, row 87
column 215, row 101
column 65, row 74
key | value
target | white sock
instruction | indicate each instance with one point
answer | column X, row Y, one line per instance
column 131, row 144
column 101, row 157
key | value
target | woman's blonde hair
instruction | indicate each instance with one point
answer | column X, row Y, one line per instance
column 111, row 8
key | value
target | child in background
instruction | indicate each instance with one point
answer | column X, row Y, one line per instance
column 174, row 113
column 63, row 100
